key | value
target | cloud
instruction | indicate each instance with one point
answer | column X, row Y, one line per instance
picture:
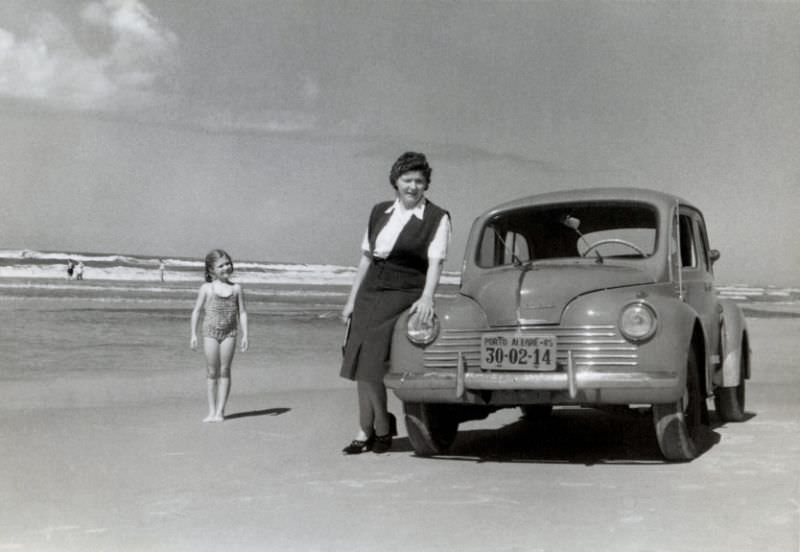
column 457, row 153
column 265, row 121
column 50, row 66
column 310, row 89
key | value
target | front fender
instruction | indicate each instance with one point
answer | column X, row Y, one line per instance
column 734, row 344
column 668, row 349
column 459, row 312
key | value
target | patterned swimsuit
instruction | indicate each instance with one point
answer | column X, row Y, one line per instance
column 221, row 319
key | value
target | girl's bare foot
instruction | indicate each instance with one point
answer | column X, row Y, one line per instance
column 209, row 418
column 218, row 418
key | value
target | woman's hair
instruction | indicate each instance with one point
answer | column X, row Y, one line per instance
column 211, row 259
column 410, row 161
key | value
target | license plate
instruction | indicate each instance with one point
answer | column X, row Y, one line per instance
column 518, row 351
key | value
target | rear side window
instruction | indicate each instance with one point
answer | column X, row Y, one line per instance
column 688, row 244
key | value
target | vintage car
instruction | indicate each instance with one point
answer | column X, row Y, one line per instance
column 600, row 298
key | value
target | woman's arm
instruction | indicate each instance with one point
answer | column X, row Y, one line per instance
column 242, row 317
column 437, row 252
column 363, row 265
column 201, row 295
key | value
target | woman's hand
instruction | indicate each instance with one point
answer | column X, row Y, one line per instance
column 424, row 309
column 193, row 342
column 245, row 344
column 347, row 311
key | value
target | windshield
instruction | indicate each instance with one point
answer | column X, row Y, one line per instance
column 600, row 230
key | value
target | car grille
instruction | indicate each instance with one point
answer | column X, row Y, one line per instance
column 591, row 346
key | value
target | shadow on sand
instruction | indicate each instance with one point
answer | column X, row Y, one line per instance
column 265, row 412
column 573, row 436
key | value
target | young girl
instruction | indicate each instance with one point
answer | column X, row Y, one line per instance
column 225, row 316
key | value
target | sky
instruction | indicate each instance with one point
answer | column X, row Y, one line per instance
column 170, row 127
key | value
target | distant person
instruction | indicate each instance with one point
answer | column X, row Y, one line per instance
column 402, row 254
column 224, row 315
column 79, row 270
column 70, row 268
column 161, row 268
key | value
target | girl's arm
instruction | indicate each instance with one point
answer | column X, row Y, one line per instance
column 201, row 295
column 363, row 265
column 242, row 317
column 424, row 305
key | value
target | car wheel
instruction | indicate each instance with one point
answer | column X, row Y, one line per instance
column 678, row 424
column 729, row 401
column 431, row 428
column 536, row 411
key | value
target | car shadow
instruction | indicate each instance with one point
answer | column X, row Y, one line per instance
column 264, row 412
column 574, row 436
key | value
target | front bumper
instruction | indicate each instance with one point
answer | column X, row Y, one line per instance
column 568, row 387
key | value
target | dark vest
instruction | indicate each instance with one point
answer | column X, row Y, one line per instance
column 411, row 248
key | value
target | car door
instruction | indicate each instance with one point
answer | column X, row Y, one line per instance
column 709, row 303
column 696, row 274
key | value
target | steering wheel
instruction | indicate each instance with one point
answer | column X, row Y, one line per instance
column 614, row 240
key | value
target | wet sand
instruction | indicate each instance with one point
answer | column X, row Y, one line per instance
column 117, row 459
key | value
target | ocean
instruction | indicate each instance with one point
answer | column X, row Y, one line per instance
column 36, row 265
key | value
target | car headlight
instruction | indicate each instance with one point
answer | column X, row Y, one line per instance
column 638, row 321
column 420, row 333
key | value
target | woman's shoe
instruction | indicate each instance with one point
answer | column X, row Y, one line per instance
column 382, row 443
column 357, row 446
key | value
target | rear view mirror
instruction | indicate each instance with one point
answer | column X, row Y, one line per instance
column 714, row 254
column 571, row 222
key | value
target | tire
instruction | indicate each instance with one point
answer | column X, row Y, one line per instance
column 431, row 427
column 729, row 401
column 677, row 425
column 536, row 411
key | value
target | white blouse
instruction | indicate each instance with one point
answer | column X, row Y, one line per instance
column 387, row 237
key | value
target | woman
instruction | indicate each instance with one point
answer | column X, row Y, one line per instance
column 403, row 251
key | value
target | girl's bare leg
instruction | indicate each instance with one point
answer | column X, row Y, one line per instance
column 227, row 348
column 212, row 351
column 211, row 391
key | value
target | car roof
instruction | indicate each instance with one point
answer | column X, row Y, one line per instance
column 660, row 199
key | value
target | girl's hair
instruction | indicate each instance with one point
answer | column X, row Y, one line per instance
column 410, row 161
column 211, row 259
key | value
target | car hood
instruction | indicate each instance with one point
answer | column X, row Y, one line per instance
column 538, row 294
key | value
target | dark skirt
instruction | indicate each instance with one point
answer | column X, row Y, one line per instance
column 386, row 292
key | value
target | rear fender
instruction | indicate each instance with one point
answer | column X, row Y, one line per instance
column 733, row 344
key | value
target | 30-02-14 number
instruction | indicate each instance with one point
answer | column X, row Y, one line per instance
column 518, row 356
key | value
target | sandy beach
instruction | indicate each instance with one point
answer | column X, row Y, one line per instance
column 104, row 449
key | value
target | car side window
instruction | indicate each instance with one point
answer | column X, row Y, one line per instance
column 517, row 244
column 688, row 247
column 503, row 248
column 702, row 244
